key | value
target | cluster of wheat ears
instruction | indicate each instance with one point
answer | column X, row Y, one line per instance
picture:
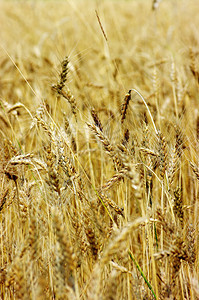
column 99, row 137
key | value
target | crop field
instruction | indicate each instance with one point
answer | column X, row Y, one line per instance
column 99, row 150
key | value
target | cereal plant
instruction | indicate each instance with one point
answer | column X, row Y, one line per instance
column 99, row 143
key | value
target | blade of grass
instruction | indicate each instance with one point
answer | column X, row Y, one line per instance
column 156, row 237
column 141, row 272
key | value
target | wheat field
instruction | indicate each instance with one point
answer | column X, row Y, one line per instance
column 99, row 144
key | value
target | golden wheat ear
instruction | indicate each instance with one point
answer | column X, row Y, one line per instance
column 125, row 104
column 61, row 89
